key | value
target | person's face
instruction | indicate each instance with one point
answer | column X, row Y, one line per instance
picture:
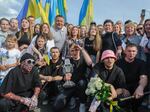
column 40, row 42
column 147, row 27
column 75, row 53
column 45, row 29
column 109, row 62
column 100, row 28
column 93, row 31
column 55, row 54
column 130, row 53
column 10, row 43
column 14, row 24
column 129, row 30
column 108, row 27
column 117, row 29
column 4, row 25
column 120, row 24
column 75, row 31
column 69, row 28
column 83, row 30
column 140, row 29
column 25, row 24
column 59, row 22
column 32, row 21
column 37, row 29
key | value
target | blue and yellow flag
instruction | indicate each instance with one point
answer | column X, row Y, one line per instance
column 32, row 8
column 42, row 12
column 86, row 13
column 23, row 11
column 47, row 7
column 62, row 8
column 52, row 11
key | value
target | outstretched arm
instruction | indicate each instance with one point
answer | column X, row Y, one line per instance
column 86, row 56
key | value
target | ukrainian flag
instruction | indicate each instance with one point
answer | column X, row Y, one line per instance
column 86, row 13
column 52, row 11
column 42, row 12
column 47, row 7
column 32, row 8
column 23, row 11
column 62, row 8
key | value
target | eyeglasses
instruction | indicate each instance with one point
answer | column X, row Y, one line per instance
column 30, row 61
column 138, row 29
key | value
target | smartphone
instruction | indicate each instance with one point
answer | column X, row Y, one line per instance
column 143, row 12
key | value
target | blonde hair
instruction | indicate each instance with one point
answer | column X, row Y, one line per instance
column 29, row 33
column 11, row 37
column 49, row 36
column 97, row 43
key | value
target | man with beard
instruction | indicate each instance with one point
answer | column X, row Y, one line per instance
column 21, row 87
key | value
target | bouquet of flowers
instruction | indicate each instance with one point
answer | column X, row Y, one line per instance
column 101, row 92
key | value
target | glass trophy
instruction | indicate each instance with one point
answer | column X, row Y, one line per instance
column 68, row 68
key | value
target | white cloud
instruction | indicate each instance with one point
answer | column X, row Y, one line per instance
column 10, row 8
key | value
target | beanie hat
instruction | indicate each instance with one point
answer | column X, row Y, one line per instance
column 107, row 54
column 26, row 56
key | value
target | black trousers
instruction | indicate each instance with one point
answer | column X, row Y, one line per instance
column 78, row 91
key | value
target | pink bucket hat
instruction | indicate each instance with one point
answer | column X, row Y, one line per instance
column 107, row 54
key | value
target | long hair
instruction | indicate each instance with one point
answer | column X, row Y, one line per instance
column 39, row 36
column 97, row 43
column 21, row 32
column 78, row 35
column 49, row 35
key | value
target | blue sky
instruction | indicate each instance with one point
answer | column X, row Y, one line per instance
column 103, row 9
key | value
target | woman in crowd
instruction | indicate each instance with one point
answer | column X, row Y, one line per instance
column 45, row 31
column 24, row 36
column 74, row 37
column 83, row 32
column 36, row 29
column 131, row 37
column 117, row 29
column 93, row 42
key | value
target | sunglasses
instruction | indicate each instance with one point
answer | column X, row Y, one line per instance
column 30, row 61
column 138, row 29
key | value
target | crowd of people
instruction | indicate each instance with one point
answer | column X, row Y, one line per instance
column 40, row 64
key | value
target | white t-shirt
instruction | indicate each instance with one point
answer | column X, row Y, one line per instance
column 49, row 44
column 8, row 57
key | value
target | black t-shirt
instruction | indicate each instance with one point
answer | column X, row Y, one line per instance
column 54, row 69
column 132, row 72
column 88, row 45
column 23, row 40
column 79, row 69
column 115, row 76
column 19, row 83
column 107, row 41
